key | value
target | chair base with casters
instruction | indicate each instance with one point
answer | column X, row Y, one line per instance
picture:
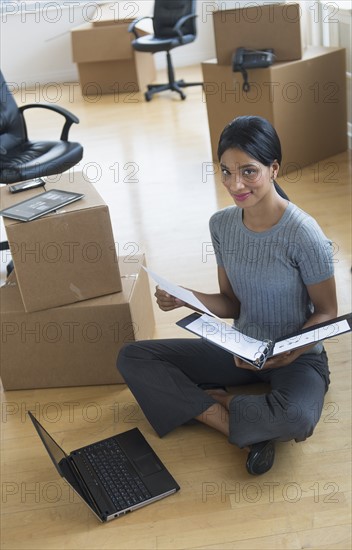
column 173, row 85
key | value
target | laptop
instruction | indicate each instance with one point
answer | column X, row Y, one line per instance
column 113, row 476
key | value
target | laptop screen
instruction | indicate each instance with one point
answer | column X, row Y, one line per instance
column 55, row 452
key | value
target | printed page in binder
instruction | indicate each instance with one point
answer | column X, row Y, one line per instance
column 316, row 334
column 224, row 335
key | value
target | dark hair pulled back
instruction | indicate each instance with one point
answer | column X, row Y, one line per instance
column 253, row 135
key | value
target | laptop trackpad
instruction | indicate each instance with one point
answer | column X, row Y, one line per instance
column 147, row 465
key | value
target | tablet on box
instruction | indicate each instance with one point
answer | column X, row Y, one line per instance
column 42, row 204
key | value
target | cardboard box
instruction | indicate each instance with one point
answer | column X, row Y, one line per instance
column 106, row 60
column 115, row 77
column 101, row 43
column 304, row 100
column 276, row 26
column 78, row 344
column 66, row 256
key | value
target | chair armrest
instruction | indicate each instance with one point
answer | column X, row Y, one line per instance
column 131, row 28
column 180, row 23
column 70, row 118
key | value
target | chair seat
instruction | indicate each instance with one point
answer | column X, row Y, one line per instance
column 153, row 44
column 22, row 161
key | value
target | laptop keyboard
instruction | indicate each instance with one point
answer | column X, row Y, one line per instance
column 110, row 465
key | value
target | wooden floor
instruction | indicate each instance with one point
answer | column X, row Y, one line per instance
column 151, row 162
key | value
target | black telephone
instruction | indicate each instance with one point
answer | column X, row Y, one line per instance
column 251, row 59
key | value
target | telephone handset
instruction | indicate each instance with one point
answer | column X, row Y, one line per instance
column 251, row 59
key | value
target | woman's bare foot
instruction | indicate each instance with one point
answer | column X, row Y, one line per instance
column 224, row 398
column 221, row 396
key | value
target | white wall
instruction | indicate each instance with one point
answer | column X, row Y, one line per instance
column 36, row 41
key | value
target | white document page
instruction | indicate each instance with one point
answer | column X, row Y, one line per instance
column 183, row 294
column 224, row 335
column 314, row 335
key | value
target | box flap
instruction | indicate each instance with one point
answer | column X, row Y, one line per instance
column 109, row 13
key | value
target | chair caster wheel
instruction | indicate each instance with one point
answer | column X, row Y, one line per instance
column 147, row 96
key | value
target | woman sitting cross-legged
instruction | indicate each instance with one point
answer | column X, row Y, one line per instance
column 275, row 276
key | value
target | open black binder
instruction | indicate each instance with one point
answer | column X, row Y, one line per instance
column 256, row 352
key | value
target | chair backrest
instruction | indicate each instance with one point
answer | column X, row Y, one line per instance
column 12, row 128
column 168, row 12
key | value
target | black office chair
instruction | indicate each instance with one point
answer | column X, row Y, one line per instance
column 22, row 159
column 174, row 25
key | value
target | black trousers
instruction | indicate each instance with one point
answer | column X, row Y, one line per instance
column 166, row 377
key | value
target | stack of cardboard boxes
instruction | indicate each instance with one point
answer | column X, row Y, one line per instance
column 70, row 303
column 303, row 94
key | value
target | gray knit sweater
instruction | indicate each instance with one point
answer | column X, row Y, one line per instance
column 269, row 271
